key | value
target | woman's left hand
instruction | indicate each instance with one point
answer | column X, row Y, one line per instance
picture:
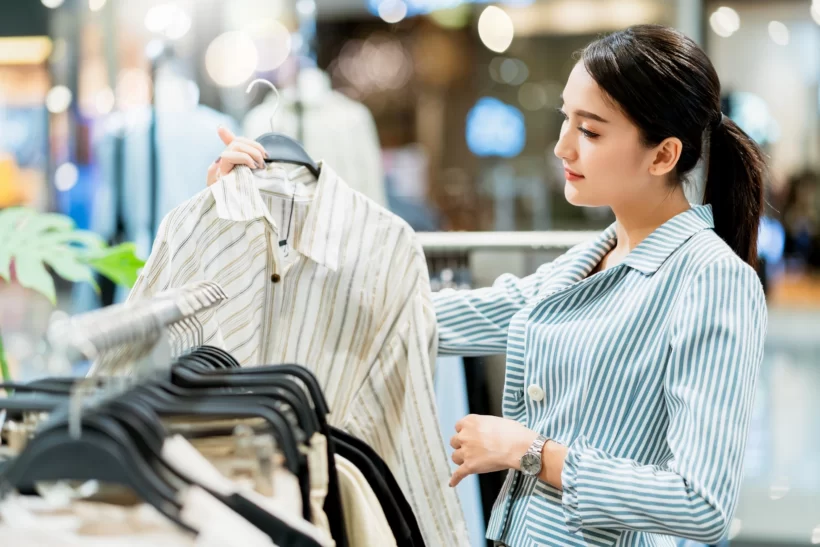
column 484, row 444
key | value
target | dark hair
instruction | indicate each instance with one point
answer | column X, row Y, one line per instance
column 668, row 87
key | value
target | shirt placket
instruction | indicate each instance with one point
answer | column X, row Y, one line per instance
column 274, row 295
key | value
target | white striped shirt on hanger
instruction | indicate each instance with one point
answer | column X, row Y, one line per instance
column 348, row 297
column 646, row 371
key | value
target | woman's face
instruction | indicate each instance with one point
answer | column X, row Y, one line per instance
column 604, row 161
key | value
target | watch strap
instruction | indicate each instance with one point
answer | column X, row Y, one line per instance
column 538, row 445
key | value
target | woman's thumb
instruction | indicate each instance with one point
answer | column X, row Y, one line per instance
column 225, row 134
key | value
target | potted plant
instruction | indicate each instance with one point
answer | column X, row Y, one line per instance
column 34, row 245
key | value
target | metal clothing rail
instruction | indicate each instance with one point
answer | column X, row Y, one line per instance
column 502, row 241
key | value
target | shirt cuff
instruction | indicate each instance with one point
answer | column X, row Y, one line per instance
column 569, row 478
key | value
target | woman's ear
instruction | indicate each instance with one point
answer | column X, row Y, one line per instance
column 666, row 156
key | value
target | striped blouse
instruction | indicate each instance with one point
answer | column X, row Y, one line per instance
column 646, row 371
column 348, row 296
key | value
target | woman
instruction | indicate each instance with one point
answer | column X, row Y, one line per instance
column 631, row 360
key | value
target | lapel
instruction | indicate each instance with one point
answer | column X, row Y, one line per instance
column 646, row 258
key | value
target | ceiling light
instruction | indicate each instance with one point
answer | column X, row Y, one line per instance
column 66, row 176
column 58, row 99
column 779, row 33
column 392, row 11
column 53, row 4
column 495, row 28
column 231, row 59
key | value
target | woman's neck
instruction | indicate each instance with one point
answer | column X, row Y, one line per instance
column 634, row 224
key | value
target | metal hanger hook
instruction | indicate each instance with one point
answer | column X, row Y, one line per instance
column 276, row 91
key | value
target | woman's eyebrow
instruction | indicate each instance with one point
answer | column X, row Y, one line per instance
column 586, row 114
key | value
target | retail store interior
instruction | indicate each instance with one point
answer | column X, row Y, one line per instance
column 441, row 111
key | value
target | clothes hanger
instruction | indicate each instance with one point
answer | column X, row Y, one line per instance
column 281, row 148
column 104, row 451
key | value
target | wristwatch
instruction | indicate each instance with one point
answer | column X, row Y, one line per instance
column 531, row 461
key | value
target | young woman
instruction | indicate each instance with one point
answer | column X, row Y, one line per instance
column 631, row 360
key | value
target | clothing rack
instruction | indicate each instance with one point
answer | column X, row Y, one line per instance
column 133, row 329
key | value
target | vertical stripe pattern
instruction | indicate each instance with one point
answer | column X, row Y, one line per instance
column 647, row 371
column 348, row 297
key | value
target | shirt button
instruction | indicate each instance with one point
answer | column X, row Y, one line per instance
column 535, row 393
column 275, row 278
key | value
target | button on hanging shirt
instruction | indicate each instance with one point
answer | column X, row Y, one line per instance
column 348, row 297
column 646, row 371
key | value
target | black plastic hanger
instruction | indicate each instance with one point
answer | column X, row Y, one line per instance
column 104, row 451
column 281, row 148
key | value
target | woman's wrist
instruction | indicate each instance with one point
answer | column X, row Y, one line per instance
column 519, row 448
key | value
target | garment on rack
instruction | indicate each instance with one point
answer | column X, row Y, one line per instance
column 392, row 512
column 347, row 296
column 393, row 488
column 365, row 521
column 331, row 126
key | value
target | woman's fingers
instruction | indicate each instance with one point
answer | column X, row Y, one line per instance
column 253, row 143
column 454, row 442
column 252, row 151
column 213, row 171
column 225, row 134
column 232, row 158
column 458, row 457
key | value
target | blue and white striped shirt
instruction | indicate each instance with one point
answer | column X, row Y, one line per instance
column 646, row 371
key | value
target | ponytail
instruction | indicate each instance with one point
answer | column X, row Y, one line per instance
column 734, row 187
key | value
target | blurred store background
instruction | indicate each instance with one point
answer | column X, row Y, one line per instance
column 443, row 111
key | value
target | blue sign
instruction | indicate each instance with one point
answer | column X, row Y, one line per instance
column 495, row 128
column 417, row 7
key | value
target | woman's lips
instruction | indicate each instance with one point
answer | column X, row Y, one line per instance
column 571, row 175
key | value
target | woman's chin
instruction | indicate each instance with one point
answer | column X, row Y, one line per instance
column 573, row 194
column 580, row 198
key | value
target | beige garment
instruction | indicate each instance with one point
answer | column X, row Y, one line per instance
column 283, row 486
column 365, row 522
column 183, row 457
column 317, row 464
column 33, row 521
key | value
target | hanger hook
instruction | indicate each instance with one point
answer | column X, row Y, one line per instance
column 276, row 91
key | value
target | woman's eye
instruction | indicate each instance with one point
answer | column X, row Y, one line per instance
column 587, row 133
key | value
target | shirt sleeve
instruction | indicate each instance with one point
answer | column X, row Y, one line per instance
column 476, row 322
column 394, row 411
column 717, row 338
column 156, row 274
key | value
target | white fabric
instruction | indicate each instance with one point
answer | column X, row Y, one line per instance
column 335, row 129
column 32, row 521
column 183, row 457
column 365, row 522
column 353, row 305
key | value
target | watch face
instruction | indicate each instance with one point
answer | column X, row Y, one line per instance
column 531, row 464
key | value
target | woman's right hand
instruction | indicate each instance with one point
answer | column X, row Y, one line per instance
column 239, row 151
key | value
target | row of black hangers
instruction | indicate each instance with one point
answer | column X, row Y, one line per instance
column 121, row 437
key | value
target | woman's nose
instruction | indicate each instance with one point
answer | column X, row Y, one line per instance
column 563, row 148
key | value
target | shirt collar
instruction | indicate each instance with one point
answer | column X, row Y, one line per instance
column 237, row 198
column 653, row 251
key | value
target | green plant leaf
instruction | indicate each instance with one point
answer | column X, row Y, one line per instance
column 33, row 275
column 33, row 240
column 120, row 263
column 9, row 220
column 67, row 266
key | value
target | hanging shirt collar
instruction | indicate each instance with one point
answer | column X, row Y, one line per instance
column 653, row 251
column 237, row 198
